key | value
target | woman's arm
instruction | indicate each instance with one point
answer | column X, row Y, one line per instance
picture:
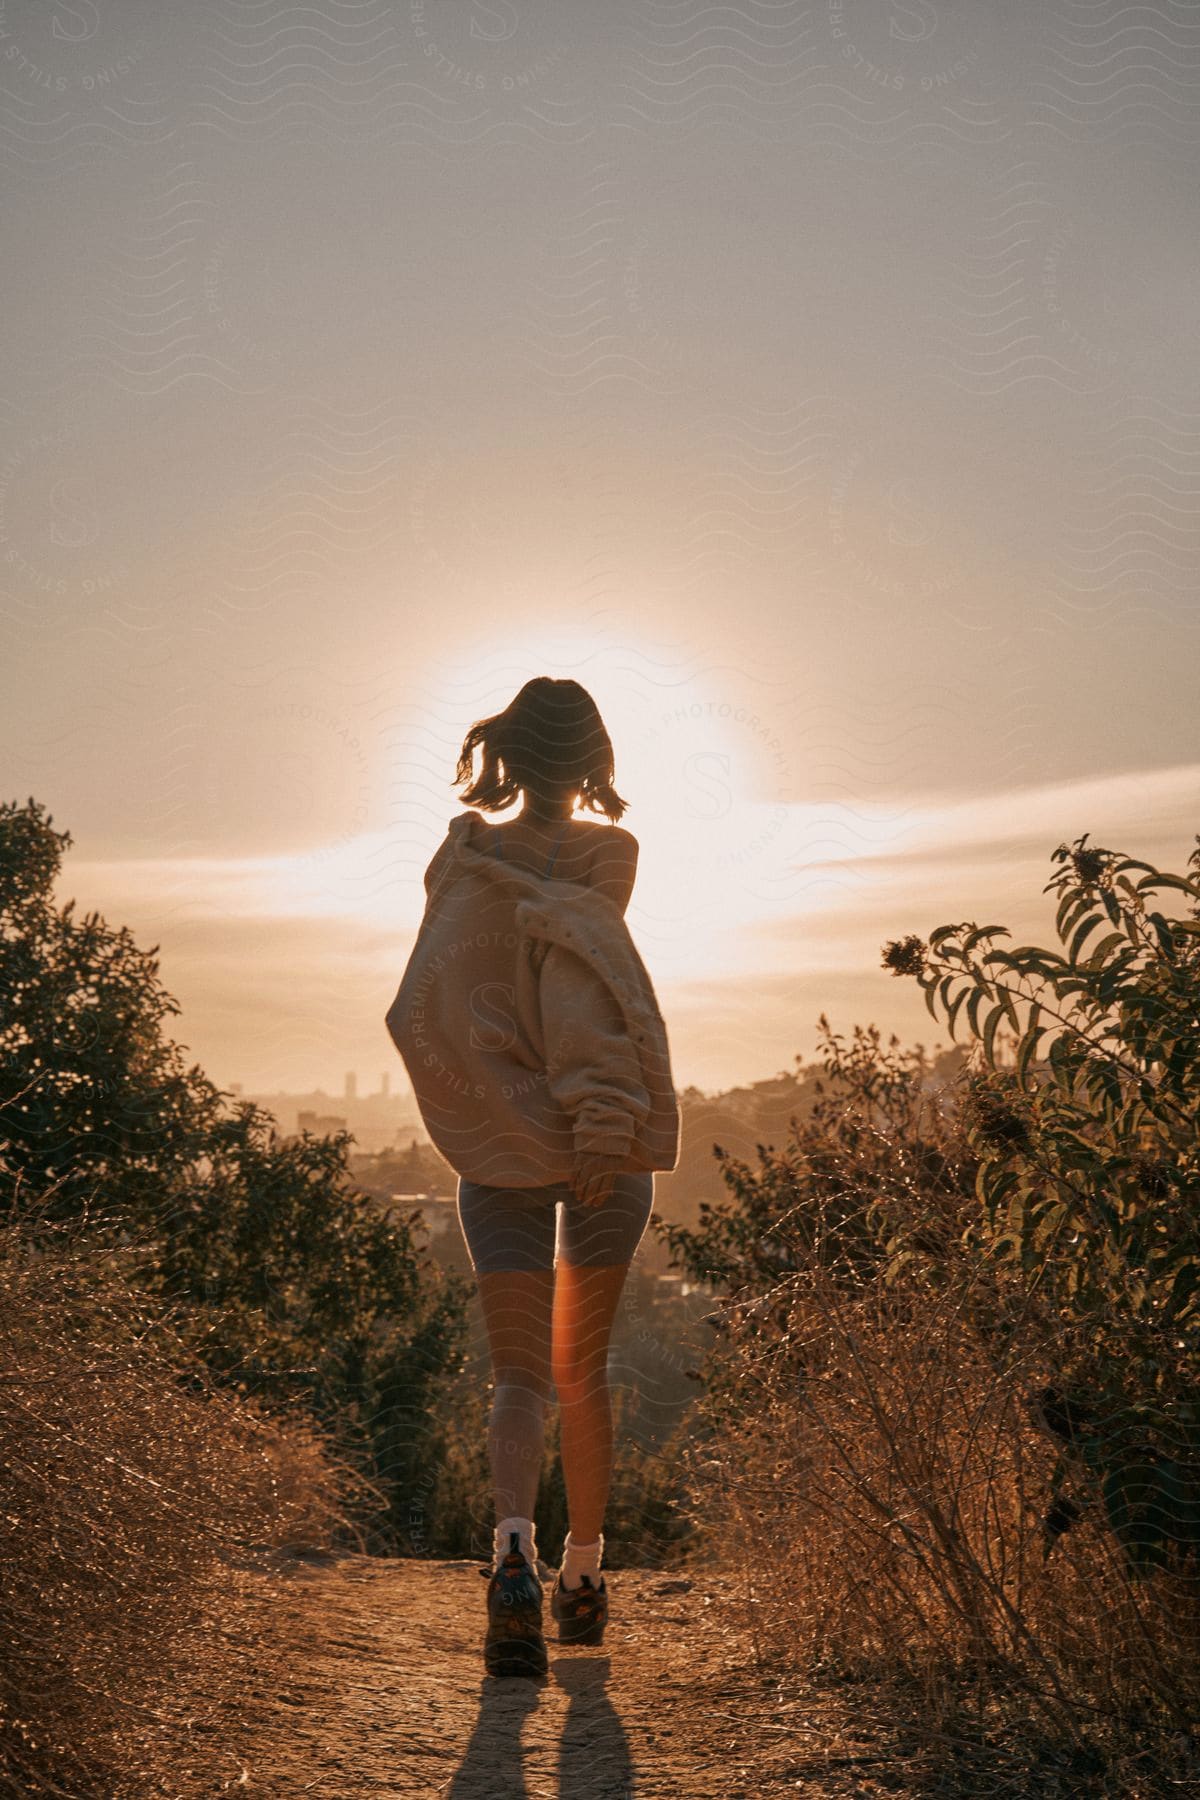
column 592, row 1066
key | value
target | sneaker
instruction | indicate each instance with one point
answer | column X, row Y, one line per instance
column 582, row 1612
column 514, row 1644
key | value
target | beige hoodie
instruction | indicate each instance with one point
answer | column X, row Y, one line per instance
column 528, row 1025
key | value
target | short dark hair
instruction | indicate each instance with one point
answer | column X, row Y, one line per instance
column 549, row 736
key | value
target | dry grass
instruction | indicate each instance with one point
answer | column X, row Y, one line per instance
column 886, row 1484
column 128, row 1486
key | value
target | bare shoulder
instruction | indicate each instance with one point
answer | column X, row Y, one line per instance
column 612, row 866
column 615, row 841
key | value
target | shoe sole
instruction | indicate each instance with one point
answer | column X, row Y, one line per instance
column 572, row 1633
column 515, row 1656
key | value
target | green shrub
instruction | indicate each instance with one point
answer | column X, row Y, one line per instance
column 1088, row 1177
column 949, row 1416
column 281, row 1279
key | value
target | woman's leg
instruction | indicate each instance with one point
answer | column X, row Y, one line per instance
column 509, row 1234
column 597, row 1245
column 517, row 1307
column 585, row 1304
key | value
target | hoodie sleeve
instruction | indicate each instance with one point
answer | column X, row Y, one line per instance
column 592, row 1065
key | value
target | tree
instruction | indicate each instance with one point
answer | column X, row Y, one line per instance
column 283, row 1280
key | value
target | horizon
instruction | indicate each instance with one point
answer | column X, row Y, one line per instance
column 994, row 858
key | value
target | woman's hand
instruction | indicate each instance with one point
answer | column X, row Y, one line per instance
column 592, row 1176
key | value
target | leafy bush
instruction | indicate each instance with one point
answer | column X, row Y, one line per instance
column 876, row 1151
column 277, row 1275
column 1089, row 1176
column 948, row 1417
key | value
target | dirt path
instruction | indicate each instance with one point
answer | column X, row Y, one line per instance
column 388, row 1695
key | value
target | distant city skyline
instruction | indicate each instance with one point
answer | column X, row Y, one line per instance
column 349, row 1089
column 376, row 1120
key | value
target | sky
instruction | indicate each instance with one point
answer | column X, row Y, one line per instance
column 817, row 384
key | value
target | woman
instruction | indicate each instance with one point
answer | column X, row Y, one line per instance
column 539, row 1060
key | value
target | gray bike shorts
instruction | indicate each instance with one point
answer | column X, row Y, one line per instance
column 515, row 1228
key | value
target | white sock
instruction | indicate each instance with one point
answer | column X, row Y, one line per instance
column 580, row 1560
column 528, row 1539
